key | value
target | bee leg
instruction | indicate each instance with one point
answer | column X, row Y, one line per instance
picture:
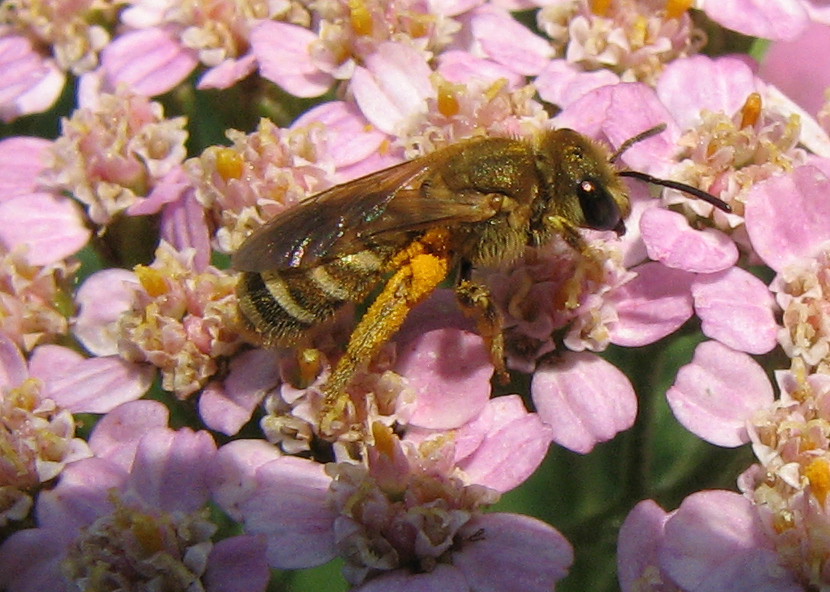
column 421, row 267
column 477, row 302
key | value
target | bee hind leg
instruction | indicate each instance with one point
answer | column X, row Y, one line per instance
column 477, row 302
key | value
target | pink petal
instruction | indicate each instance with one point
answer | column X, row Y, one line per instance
column 737, row 309
column 44, row 553
column 654, row 304
column 638, row 545
column 227, row 407
column 715, row 542
column 349, row 138
column 21, row 161
column 49, row 225
column 228, row 73
column 444, row 578
column 619, row 112
column 670, row 240
column 184, row 225
column 462, row 67
column 237, row 564
column 584, row 399
column 283, row 51
column 450, row 370
column 788, row 216
column 506, row 41
column 291, row 509
column 170, row 189
column 517, row 554
column 171, row 467
column 718, row 392
column 233, row 473
column 117, row 434
column 393, row 87
column 102, row 299
column 51, row 362
column 785, row 67
column 728, row 82
column 149, row 62
column 29, row 83
column 561, row 83
column 99, row 385
column 512, row 448
column 13, row 369
column 771, row 19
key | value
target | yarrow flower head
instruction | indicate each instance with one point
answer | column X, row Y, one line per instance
column 35, row 300
column 112, row 154
column 37, row 436
column 247, row 183
column 633, row 38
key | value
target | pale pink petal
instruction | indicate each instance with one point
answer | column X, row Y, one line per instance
column 233, row 473
column 785, row 67
column 50, row 362
column 462, row 67
column 169, row 189
column 505, row 40
column 149, row 61
column 737, row 309
column 21, row 161
column 44, row 553
column 49, row 225
column 728, row 83
column 184, row 226
column 444, row 578
column 290, row 507
column 619, row 112
column 170, row 470
column 788, row 216
column 654, row 304
column 718, row 392
column 117, row 434
column 638, row 545
column 584, row 399
column 98, row 385
column 671, row 241
column 393, row 87
column 561, row 83
column 771, row 19
column 102, row 299
column 226, row 407
column 13, row 369
column 513, row 446
column 450, row 370
column 29, row 83
column 228, row 73
column 517, row 554
column 715, row 542
column 237, row 564
column 283, row 52
column 349, row 137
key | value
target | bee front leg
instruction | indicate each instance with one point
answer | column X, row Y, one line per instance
column 477, row 302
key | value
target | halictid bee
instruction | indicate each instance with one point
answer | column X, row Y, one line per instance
column 477, row 202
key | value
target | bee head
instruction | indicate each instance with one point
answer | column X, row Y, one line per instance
column 581, row 183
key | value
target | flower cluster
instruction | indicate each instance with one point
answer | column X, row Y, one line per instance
column 152, row 438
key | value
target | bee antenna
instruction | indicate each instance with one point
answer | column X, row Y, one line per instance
column 694, row 191
column 644, row 135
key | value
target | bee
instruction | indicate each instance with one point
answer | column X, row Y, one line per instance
column 476, row 202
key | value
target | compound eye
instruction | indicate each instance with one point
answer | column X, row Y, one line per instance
column 599, row 208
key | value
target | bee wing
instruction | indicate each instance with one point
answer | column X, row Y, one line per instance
column 348, row 218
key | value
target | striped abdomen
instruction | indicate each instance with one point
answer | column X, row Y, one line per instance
column 283, row 305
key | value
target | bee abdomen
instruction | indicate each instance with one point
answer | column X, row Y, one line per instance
column 283, row 305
